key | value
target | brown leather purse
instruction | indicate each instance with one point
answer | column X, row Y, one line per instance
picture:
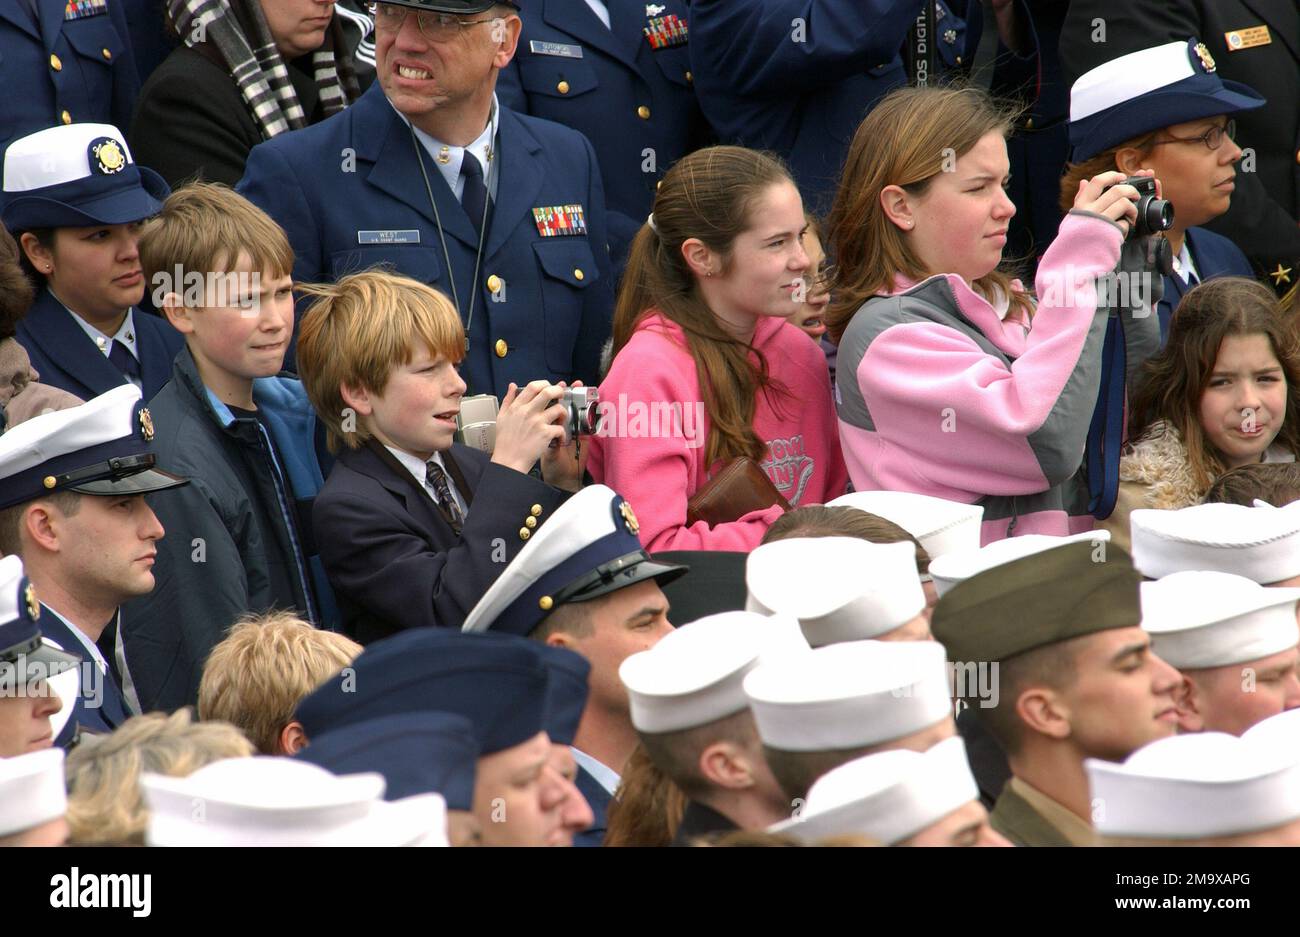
column 739, row 489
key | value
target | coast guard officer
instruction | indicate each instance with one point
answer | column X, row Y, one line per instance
column 73, row 508
column 620, row 72
column 427, row 173
column 64, row 62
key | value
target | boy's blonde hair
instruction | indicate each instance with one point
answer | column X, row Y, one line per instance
column 256, row 677
column 359, row 330
column 204, row 227
column 105, row 803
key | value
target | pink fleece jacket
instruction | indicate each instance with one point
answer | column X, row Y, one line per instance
column 651, row 449
column 939, row 395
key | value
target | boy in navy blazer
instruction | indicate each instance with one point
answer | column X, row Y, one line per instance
column 413, row 528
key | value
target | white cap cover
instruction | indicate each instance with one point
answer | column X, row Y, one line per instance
column 1262, row 544
column 941, row 526
column 1203, row 618
column 953, row 568
column 31, row 790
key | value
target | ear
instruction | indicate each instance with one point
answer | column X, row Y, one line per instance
column 38, row 527
column 505, row 32
column 724, row 765
column 560, row 639
column 1128, row 160
column 1044, row 711
column 700, row 258
column 358, row 398
column 897, row 206
column 1190, row 717
column 292, row 738
column 41, row 256
column 173, row 307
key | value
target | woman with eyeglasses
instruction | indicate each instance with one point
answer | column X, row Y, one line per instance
column 256, row 69
column 1165, row 109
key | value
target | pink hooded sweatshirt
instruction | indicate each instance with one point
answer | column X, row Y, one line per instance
column 652, row 441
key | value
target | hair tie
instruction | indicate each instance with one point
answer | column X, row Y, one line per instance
column 650, row 220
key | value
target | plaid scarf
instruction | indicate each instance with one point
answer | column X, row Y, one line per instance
column 236, row 30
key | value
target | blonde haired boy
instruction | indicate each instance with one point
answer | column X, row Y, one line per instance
column 258, row 675
column 414, row 527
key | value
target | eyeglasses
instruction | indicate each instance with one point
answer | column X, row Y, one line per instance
column 437, row 27
column 1212, row 138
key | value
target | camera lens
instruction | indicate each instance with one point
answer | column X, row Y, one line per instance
column 1158, row 214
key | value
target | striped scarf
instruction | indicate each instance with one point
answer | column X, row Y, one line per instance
column 237, row 31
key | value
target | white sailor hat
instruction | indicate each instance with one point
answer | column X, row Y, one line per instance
column 889, row 796
column 849, row 695
column 1203, row 618
column 76, row 175
column 695, row 675
column 1145, row 90
column 940, row 526
column 103, row 447
column 32, row 790
column 953, row 568
column 24, row 657
column 1280, row 733
column 838, row 588
column 1262, row 544
column 1193, row 786
column 266, row 801
column 587, row 549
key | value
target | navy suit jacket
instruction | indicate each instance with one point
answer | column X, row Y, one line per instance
column 1214, row 256
column 608, row 74
column 599, row 799
column 95, row 81
column 392, row 559
column 67, row 358
column 349, row 193
column 111, row 710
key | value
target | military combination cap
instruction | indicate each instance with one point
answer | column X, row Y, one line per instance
column 889, row 796
column 497, row 682
column 849, row 695
column 961, row 565
column 31, row 790
column 266, row 801
column 1062, row 593
column 566, row 691
column 1193, row 786
column 24, row 657
column 695, row 675
column 1260, row 543
column 416, row 752
column 102, row 447
column 587, row 549
column 838, row 588
column 941, row 526
column 1211, row 619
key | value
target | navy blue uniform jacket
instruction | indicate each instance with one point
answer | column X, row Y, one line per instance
column 83, row 66
column 394, row 562
column 111, row 710
column 599, row 799
column 67, row 358
column 354, row 178
column 571, row 69
column 1214, row 256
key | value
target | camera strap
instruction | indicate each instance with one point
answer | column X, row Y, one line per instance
column 920, row 47
column 1106, row 431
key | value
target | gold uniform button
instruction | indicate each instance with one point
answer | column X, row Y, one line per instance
column 689, row 78
column 55, row 63
column 524, row 533
column 108, row 56
column 530, row 522
column 643, row 112
column 545, row 603
column 562, row 87
column 536, row 510
column 66, row 117
column 579, row 275
column 494, row 284
column 501, row 348
column 1029, row 124
column 50, row 481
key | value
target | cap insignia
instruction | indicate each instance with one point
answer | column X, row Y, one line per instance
column 629, row 518
column 146, row 424
column 109, row 157
column 1207, row 60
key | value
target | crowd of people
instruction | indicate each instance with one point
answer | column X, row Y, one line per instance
column 940, row 486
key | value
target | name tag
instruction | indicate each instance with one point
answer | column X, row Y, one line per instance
column 1239, row 39
column 409, row 236
column 555, row 48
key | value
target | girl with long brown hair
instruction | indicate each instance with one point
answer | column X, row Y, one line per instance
column 1224, row 392
column 951, row 380
column 706, row 368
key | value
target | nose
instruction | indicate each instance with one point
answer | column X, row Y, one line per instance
column 1165, row 678
column 152, row 528
column 410, row 36
column 799, row 261
column 1292, row 698
column 48, row 702
column 1006, row 208
column 130, row 248
column 576, row 815
column 1229, row 151
column 460, row 386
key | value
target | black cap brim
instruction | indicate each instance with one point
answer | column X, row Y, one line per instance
column 138, row 484
column 630, row 575
column 47, row 660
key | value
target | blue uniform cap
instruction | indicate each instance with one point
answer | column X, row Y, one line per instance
column 566, row 693
column 497, row 682
column 76, row 176
column 416, row 752
column 1146, row 90
column 24, row 658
